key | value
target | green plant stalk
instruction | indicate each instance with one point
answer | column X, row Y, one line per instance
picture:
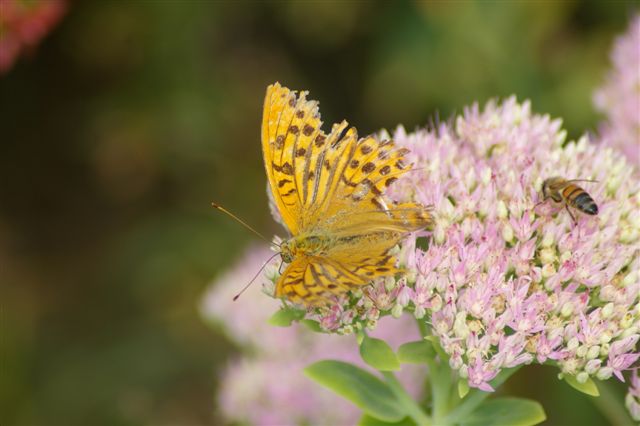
column 475, row 398
column 611, row 405
column 413, row 409
column 440, row 376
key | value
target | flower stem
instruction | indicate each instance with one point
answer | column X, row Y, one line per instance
column 475, row 398
column 440, row 375
column 611, row 405
column 413, row 409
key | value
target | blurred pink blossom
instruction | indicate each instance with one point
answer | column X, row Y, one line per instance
column 619, row 97
column 266, row 385
column 632, row 400
column 23, row 24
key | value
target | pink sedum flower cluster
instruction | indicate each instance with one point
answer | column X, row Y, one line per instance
column 619, row 98
column 266, row 385
column 507, row 281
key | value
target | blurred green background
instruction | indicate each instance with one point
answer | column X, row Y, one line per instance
column 130, row 117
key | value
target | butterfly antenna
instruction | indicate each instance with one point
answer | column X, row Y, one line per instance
column 254, row 277
column 237, row 219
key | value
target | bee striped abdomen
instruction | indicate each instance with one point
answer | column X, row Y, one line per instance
column 585, row 204
column 580, row 199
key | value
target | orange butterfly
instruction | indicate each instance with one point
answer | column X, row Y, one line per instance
column 329, row 190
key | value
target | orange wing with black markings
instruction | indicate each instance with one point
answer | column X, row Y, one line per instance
column 331, row 187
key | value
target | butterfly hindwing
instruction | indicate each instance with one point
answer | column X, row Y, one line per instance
column 312, row 280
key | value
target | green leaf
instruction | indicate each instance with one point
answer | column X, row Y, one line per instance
column 416, row 352
column 367, row 420
column 589, row 387
column 365, row 390
column 312, row 325
column 435, row 341
column 506, row 411
column 463, row 388
column 285, row 316
column 378, row 354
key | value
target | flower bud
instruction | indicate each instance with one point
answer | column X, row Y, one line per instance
column 396, row 311
column 607, row 310
column 463, row 371
column 582, row 377
column 561, row 136
column 389, row 283
column 438, row 233
column 547, row 255
column 346, row 330
column 608, row 293
column 592, row 366
column 604, row 373
column 455, row 362
column 628, row 235
column 567, row 309
column 485, row 176
column 605, row 337
column 570, row 366
column 581, row 351
column 548, row 270
column 460, row 327
column 629, row 332
column 593, row 352
column 419, row 312
column 502, row 211
column 630, row 278
column 436, row 303
column 573, row 343
column 613, row 182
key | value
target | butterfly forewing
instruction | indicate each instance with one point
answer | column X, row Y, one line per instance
column 331, row 188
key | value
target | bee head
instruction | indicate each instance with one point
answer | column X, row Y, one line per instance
column 545, row 188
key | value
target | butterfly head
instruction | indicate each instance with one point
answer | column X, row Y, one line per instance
column 287, row 249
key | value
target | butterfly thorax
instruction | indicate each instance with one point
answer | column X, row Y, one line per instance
column 309, row 245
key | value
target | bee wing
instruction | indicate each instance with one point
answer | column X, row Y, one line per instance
column 583, row 180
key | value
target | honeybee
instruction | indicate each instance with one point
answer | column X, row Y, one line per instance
column 566, row 191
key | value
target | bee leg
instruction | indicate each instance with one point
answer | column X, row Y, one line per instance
column 540, row 202
column 575, row 222
column 280, row 267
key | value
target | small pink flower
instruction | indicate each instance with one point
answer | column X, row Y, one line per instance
column 479, row 374
column 619, row 358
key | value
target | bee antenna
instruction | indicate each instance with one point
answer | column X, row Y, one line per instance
column 254, row 277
